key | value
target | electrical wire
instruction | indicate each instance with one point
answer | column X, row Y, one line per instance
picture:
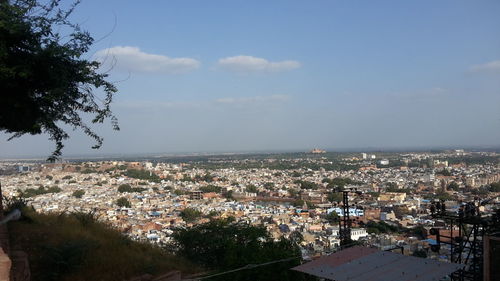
column 248, row 266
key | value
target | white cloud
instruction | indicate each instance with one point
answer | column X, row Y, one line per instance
column 134, row 60
column 156, row 105
column 492, row 66
column 253, row 64
column 256, row 99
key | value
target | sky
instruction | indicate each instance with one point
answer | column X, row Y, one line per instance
column 242, row 76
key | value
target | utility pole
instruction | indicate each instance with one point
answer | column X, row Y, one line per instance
column 345, row 222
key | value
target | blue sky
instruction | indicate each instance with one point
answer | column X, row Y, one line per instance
column 207, row 76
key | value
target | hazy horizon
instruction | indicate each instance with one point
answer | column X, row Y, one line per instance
column 290, row 76
column 95, row 153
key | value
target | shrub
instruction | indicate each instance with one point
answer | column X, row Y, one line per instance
column 123, row 202
column 78, row 193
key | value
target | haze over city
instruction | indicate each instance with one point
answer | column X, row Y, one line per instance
column 194, row 76
column 237, row 140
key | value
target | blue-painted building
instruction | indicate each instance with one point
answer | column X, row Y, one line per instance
column 353, row 212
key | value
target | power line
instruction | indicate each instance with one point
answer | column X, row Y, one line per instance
column 248, row 266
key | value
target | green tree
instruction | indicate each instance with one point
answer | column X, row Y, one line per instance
column 226, row 244
column 142, row 175
column 307, row 184
column 418, row 231
column 31, row 192
column 453, row 186
column 332, row 217
column 123, row 202
column 293, row 192
column 179, row 192
column 420, row 254
column 44, row 79
column 251, row 188
column 124, row 188
column 229, row 195
column 269, row 185
column 338, row 183
column 190, row 214
column 495, row 187
column 210, row 188
column 335, row 197
column 78, row 193
column 127, row 188
column 444, row 172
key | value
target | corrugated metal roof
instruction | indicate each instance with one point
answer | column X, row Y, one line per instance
column 367, row 264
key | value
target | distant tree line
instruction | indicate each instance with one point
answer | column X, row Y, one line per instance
column 127, row 188
column 210, row 188
column 142, row 175
column 32, row 192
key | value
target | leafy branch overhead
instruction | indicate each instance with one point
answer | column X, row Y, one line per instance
column 45, row 82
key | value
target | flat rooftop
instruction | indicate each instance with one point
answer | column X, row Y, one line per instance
column 369, row 264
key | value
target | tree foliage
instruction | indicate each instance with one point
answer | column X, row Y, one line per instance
column 190, row 214
column 210, row 188
column 443, row 172
column 32, row 192
column 142, row 175
column 380, row 227
column 495, row 187
column 332, row 217
column 127, row 188
column 44, row 79
column 251, row 188
column 338, row 183
column 453, row 186
column 420, row 254
column 78, row 193
column 226, row 244
column 306, row 184
column 123, row 202
column 334, row 197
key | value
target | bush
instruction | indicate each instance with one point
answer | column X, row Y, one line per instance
column 127, row 188
column 179, row 192
column 78, row 193
column 225, row 245
column 142, row 175
column 31, row 192
column 210, row 188
column 381, row 227
column 190, row 214
column 495, row 187
column 123, row 202
column 307, row 184
column 251, row 188
column 420, row 254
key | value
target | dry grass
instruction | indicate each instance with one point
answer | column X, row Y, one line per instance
column 76, row 247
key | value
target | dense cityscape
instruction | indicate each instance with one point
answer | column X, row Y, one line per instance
column 390, row 194
column 249, row 140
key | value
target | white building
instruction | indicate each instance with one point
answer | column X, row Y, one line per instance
column 384, row 162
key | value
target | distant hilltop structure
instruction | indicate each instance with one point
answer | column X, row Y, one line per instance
column 317, row 151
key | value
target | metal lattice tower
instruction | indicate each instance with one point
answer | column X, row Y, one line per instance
column 466, row 235
column 345, row 222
